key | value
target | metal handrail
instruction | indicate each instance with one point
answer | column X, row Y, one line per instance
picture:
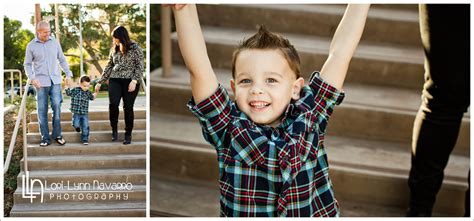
column 21, row 115
column 12, row 71
column 166, row 60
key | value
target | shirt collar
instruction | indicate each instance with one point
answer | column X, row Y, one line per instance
column 37, row 39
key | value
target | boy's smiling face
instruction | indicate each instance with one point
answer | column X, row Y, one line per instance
column 85, row 85
column 264, row 85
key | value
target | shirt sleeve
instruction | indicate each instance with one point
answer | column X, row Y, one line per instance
column 326, row 97
column 107, row 70
column 89, row 95
column 214, row 114
column 71, row 92
column 28, row 63
column 62, row 61
column 138, row 64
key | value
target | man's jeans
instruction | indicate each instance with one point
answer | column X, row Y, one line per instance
column 54, row 93
column 81, row 121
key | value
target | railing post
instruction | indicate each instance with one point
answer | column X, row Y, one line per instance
column 21, row 82
column 12, row 94
column 25, row 148
column 166, row 41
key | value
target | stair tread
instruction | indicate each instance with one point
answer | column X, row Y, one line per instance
column 385, row 158
column 138, row 188
column 179, row 197
column 83, row 172
column 383, row 13
column 366, row 96
column 319, row 45
column 71, row 145
column 91, row 132
column 139, row 109
column 47, row 207
column 87, row 157
column 105, row 121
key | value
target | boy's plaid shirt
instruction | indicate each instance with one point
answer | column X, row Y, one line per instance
column 79, row 100
column 266, row 171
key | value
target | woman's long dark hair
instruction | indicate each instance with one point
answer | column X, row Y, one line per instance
column 121, row 34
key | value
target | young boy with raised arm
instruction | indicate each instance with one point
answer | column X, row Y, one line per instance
column 270, row 139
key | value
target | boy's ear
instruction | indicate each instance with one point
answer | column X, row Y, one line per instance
column 232, row 85
column 297, row 85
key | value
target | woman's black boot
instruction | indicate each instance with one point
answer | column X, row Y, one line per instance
column 114, row 135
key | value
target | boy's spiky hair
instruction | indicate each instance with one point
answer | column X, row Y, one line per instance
column 85, row 78
column 265, row 39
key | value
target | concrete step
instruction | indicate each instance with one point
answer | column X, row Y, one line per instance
column 69, row 162
column 174, row 198
column 102, row 148
column 123, row 209
column 378, row 64
column 384, row 24
column 94, row 125
column 369, row 112
column 187, row 198
column 377, row 170
column 408, row 7
column 134, row 176
column 94, row 136
column 66, row 115
column 84, row 194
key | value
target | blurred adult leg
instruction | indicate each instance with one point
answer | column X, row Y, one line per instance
column 445, row 32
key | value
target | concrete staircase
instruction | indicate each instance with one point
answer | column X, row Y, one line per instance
column 369, row 138
column 79, row 180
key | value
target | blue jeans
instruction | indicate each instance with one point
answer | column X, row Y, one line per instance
column 81, row 121
column 54, row 94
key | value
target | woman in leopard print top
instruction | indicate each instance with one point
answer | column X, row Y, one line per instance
column 123, row 72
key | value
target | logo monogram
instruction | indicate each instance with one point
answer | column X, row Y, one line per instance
column 27, row 187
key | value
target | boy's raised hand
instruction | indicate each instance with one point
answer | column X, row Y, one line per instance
column 344, row 44
column 193, row 49
column 175, row 6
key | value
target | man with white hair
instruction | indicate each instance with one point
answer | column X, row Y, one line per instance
column 41, row 65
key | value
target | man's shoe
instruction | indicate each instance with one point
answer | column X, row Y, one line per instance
column 44, row 144
column 85, row 142
column 60, row 140
column 78, row 129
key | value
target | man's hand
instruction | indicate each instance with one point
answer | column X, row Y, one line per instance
column 68, row 82
column 36, row 83
column 132, row 86
column 97, row 88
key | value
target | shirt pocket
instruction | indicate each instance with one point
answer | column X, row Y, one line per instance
column 248, row 144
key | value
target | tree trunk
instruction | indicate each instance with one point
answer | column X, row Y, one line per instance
column 94, row 60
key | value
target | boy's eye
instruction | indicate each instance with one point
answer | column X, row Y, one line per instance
column 245, row 81
column 271, row 80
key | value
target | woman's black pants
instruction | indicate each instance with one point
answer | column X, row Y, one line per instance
column 445, row 33
column 118, row 90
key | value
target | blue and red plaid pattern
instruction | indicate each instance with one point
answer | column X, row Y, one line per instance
column 265, row 171
column 79, row 100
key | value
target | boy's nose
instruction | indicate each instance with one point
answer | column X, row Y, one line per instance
column 256, row 90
